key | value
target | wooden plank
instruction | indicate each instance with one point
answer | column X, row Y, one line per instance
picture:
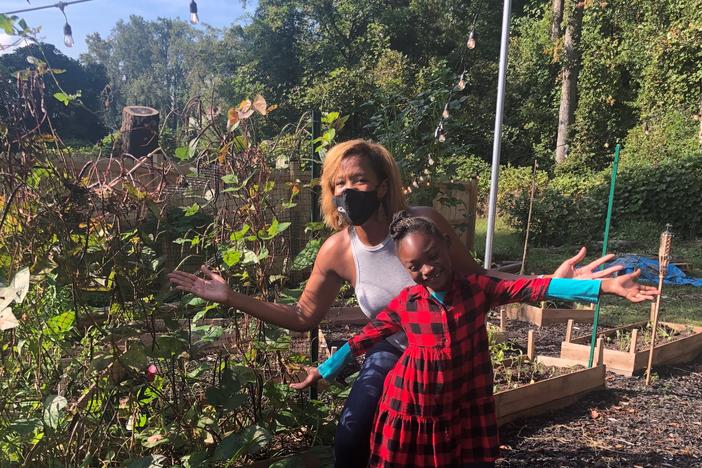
column 530, row 344
column 547, row 395
column 345, row 316
column 569, row 331
column 634, row 339
column 540, row 316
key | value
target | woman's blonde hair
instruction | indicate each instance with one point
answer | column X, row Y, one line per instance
column 383, row 165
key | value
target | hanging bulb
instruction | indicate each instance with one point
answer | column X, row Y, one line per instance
column 439, row 133
column 431, row 161
column 445, row 113
column 421, row 178
column 194, row 19
column 461, row 85
column 471, row 40
column 414, row 184
column 426, row 171
column 67, row 35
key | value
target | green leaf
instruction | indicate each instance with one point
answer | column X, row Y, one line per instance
column 53, row 410
column 194, row 460
column 238, row 235
column 182, row 153
column 276, row 228
column 62, row 97
column 307, row 255
column 6, row 24
column 152, row 461
column 231, row 257
column 251, row 440
column 191, row 210
column 60, row 324
column 168, row 346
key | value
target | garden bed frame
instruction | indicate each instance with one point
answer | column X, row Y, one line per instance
column 577, row 350
column 542, row 315
column 547, row 395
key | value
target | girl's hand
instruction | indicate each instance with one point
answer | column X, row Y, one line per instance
column 569, row 269
column 627, row 287
column 212, row 287
column 313, row 375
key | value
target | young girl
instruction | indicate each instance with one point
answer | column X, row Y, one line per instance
column 437, row 407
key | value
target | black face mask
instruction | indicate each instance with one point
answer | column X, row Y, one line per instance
column 356, row 206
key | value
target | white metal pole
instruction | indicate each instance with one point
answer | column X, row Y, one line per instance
column 498, row 133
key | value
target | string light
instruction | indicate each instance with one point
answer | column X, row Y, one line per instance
column 440, row 133
column 471, row 38
column 67, row 31
column 194, row 19
column 461, row 85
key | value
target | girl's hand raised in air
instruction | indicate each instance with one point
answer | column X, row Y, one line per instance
column 626, row 286
column 313, row 375
column 211, row 287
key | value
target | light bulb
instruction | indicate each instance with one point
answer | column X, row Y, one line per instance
column 67, row 35
column 471, row 40
column 194, row 19
column 461, row 85
column 415, row 184
column 431, row 161
column 445, row 113
column 442, row 138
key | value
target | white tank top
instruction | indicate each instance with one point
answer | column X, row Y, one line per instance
column 380, row 277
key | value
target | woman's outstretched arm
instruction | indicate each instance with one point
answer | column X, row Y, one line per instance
column 319, row 294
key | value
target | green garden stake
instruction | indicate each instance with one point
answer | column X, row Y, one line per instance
column 604, row 249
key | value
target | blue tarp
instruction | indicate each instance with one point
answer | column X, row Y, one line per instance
column 649, row 271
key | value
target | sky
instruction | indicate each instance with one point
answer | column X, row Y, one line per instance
column 101, row 16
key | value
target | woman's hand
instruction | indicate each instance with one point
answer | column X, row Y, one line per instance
column 212, row 287
column 569, row 269
column 313, row 375
column 626, row 286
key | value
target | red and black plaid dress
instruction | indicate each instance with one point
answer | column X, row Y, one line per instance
column 437, row 407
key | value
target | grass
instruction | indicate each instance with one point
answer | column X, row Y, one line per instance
column 679, row 304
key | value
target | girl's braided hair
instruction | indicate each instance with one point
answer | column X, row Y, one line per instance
column 404, row 224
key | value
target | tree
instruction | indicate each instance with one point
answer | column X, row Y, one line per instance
column 79, row 121
column 569, row 79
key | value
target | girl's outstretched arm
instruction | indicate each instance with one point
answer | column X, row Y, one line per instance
column 383, row 325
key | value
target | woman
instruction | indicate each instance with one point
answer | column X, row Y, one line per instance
column 361, row 191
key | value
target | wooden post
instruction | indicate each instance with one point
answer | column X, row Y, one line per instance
column 634, row 339
column 139, row 130
column 600, row 351
column 503, row 319
column 530, row 345
column 569, row 331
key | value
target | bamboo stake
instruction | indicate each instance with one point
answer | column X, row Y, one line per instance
column 663, row 261
column 503, row 319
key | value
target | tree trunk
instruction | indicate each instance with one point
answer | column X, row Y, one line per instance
column 569, row 76
column 556, row 20
column 139, row 130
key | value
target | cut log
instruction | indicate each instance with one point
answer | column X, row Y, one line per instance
column 139, row 130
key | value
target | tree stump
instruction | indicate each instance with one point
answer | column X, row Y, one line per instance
column 139, row 130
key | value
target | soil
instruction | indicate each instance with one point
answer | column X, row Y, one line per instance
column 664, row 334
column 626, row 425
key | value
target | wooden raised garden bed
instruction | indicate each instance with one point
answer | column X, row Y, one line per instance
column 547, row 395
column 681, row 343
column 543, row 315
column 550, row 394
